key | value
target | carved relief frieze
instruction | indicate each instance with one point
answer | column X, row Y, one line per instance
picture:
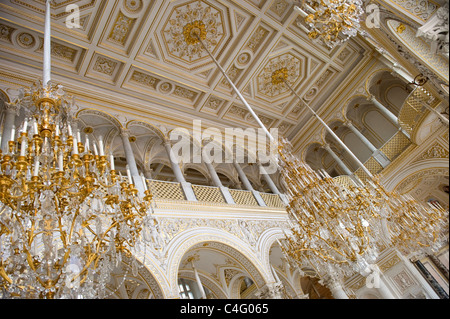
column 121, row 29
column 403, row 281
column 435, row 151
column 5, row 32
column 105, row 65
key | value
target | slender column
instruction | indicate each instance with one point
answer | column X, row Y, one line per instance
column 360, row 136
column 329, row 130
column 10, row 118
column 268, row 180
column 243, row 177
column 376, row 153
column 338, row 160
column 212, row 172
column 47, row 45
column 384, row 110
column 336, row 288
column 187, row 187
column 247, row 184
column 174, row 163
column 218, row 183
column 131, row 161
column 199, row 282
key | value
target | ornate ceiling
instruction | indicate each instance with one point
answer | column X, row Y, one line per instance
column 132, row 54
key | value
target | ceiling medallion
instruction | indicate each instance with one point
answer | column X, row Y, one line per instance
column 193, row 31
column 188, row 21
column 285, row 67
column 279, row 76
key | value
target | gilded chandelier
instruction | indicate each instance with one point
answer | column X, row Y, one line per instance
column 341, row 229
column 331, row 21
column 66, row 217
column 334, row 229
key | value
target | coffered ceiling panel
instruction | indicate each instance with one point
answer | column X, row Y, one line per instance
column 141, row 49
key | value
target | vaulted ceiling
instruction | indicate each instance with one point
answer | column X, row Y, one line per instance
column 133, row 55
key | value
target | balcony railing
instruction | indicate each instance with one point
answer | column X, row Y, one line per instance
column 208, row 194
column 414, row 108
column 172, row 191
column 392, row 149
column 166, row 190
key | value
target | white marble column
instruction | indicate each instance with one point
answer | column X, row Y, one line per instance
column 376, row 153
column 360, row 136
column 199, row 282
column 338, row 160
column 218, row 183
column 10, row 118
column 336, row 288
column 247, row 184
column 131, row 162
column 187, row 187
column 383, row 109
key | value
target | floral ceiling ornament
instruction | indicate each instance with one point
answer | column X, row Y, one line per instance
column 198, row 17
column 286, row 65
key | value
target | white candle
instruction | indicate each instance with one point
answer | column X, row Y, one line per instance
column 36, row 166
column 87, row 143
column 111, row 160
column 100, row 146
column 75, row 146
column 25, row 126
column 35, row 127
column 69, row 129
column 144, row 181
column 61, row 162
column 57, row 130
column 95, row 149
column 130, row 180
column 78, row 136
column 13, row 133
column 23, row 147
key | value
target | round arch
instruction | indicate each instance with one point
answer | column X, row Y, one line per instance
column 218, row 240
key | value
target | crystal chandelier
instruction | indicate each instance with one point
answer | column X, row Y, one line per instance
column 341, row 229
column 333, row 228
column 331, row 21
column 67, row 217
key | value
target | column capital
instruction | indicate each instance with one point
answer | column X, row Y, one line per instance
column 348, row 123
column 12, row 107
column 271, row 291
column 371, row 97
column 124, row 132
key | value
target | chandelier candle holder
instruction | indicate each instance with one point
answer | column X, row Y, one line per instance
column 67, row 217
column 335, row 229
column 396, row 220
column 331, row 21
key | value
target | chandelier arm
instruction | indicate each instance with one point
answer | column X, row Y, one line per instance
column 326, row 242
column 3, row 273
column 321, row 255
